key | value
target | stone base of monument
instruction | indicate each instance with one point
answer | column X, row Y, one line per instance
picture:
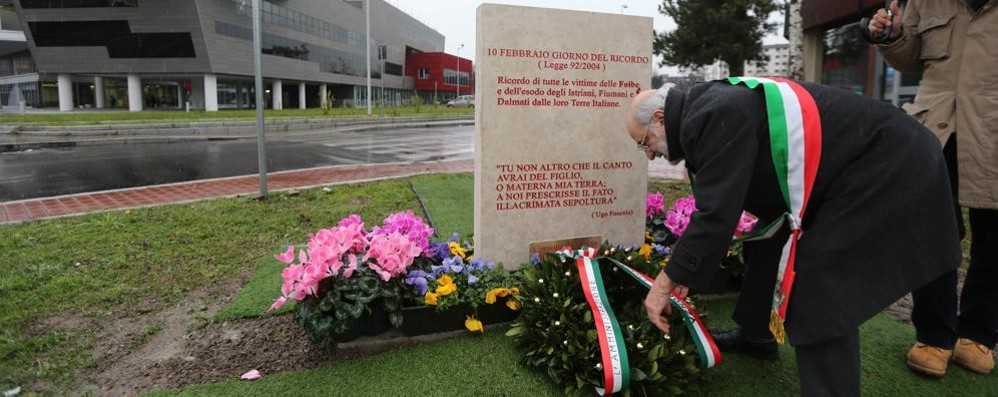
column 425, row 320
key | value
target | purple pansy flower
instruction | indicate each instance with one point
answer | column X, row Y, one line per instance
column 481, row 264
column 441, row 251
column 535, row 258
column 420, row 280
column 472, row 279
column 454, row 264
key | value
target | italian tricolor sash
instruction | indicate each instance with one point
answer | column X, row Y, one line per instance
column 616, row 369
column 795, row 141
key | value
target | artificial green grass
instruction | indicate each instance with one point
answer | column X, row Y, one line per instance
column 258, row 294
column 99, row 264
column 123, row 117
column 488, row 365
column 884, row 343
column 450, row 202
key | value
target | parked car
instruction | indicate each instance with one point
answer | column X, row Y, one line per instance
column 463, row 101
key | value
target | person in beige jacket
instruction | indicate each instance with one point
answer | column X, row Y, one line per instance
column 954, row 44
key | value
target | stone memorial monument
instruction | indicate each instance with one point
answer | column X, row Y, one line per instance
column 553, row 165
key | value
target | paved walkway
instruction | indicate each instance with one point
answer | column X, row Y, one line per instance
column 76, row 204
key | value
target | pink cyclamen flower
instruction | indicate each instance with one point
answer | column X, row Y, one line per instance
column 409, row 225
column 654, row 204
column 678, row 217
column 351, row 220
column 391, row 254
column 351, row 266
column 278, row 303
column 288, row 256
column 746, row 223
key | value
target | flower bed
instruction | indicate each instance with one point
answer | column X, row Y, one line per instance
column 663, row 229
column 349, row 281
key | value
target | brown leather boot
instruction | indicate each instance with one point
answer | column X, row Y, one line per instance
column 974, row 356
column 928, row 360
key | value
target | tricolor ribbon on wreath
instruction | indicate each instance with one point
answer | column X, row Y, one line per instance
column 616, row 369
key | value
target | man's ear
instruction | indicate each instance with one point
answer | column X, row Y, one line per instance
column 659, row 116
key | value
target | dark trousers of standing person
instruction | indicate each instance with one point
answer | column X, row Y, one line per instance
column 935, row 305
column 829, row 368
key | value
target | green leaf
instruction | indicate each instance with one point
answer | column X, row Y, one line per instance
column 515, row 330
column 638, row 375
column 591, row 336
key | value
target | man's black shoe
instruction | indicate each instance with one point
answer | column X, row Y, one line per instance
column 735, row 341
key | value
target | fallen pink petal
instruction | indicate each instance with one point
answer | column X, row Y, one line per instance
column 252, row 374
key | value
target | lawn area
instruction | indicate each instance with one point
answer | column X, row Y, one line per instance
column 105, row 263
column 449, row 201
column 123, row 117
column 102, row 263
column 488, row 365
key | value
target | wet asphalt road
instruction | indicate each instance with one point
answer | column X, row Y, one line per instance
column 52, row 172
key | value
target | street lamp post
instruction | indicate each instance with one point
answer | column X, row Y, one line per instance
column 261, row 141
column 367, row 23
column 457, row 77
column 622, row 8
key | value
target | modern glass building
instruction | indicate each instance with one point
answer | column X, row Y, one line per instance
column 170, row 54
column 836, row 54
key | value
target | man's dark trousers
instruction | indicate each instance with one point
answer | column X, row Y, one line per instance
column 935, row 311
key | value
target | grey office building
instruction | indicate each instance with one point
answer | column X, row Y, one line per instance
column 142, row 54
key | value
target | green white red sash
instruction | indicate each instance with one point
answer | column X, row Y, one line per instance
column 616, row 369
column 795, row 141
column 710, row 355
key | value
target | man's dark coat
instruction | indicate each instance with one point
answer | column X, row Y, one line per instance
column 879, row 222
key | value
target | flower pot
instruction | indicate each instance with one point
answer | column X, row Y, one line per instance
column 375, row 322
column 422, row 320
column 352, row 332
column 496, row 313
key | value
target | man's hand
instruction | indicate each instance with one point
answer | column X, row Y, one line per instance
column 881, row 21
column 657, row 301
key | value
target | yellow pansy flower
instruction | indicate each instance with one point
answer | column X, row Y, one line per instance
column 473, row 325
column 457, row 249
column 502, row 292
column 445, row 290
column 663, row 263
column 430, row 299
column 513, row 304
column 645, row 251
column 648, row 237
column 490, row 297
column 514, row 291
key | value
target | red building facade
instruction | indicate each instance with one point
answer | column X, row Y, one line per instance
column 440, row 75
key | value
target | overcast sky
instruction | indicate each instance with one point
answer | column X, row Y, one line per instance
column 455, row 19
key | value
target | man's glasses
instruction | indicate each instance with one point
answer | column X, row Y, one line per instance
column 642, row 146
